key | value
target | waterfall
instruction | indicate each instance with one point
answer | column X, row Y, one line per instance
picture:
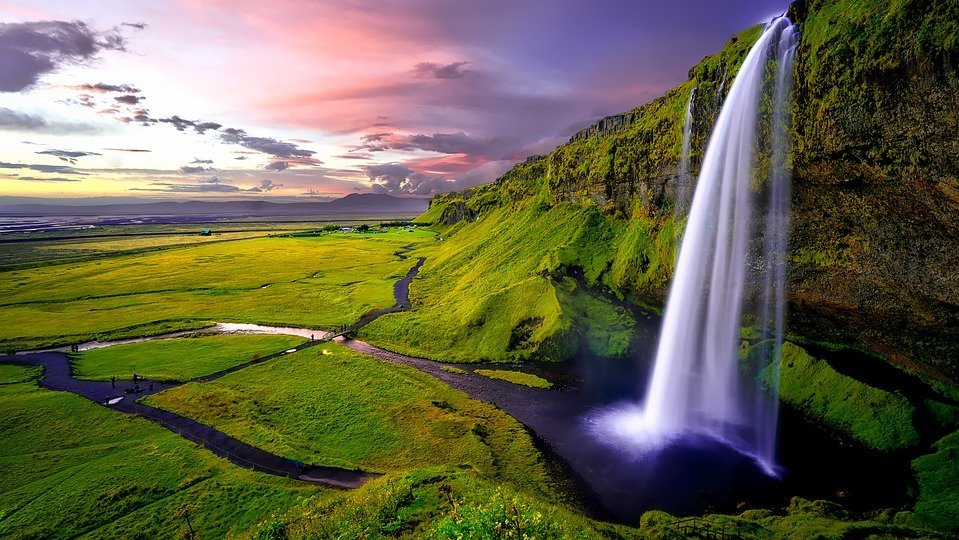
column 719, row 90
column 684, row 181
column 698, row 384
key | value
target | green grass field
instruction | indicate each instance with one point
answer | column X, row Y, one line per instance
column 329, row 405
column 311, row 281
column 69, row 467
column 177, row 360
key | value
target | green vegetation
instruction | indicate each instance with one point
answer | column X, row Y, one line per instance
column 528, row 295
column 348, row 410
column 801, row 520
column 515, row 377
column 180, row 359
column 319, row 281
column 11, row 374
column 69, row 467
column 436, row 503
column 878, row 419
column 938, row 477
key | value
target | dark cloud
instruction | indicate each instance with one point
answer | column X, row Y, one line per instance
column 84, row 100
column 354, row 156
column 101, row 88
column 129, row 99
column 268, row 185
column 398, row 179
column 20, row 121
column 203, row 127
column 31, row 49
column 444, row 143
column 55, row 169
column 186, row 169
column 127, row 150
column 138, row 25
column 441, row 71
column 277, row 166
column 266, row 145
column 11, row 120
column 238, row 158
column 40, row 179
column 201, row 161
column 180, row 124
column 70, row 156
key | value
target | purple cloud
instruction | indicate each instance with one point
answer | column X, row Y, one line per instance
column 129, row 99
column 441, row 71
column 31, row 49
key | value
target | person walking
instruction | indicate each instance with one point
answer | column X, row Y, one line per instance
column 113, row 381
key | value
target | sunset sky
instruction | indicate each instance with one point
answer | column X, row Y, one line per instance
column 298, row 99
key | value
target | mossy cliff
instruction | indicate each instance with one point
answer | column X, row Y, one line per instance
column 873, row 242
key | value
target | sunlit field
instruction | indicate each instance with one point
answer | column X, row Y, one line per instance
column 316, row 281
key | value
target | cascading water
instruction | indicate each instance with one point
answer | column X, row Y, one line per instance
column 698, row 383
column 684, row 181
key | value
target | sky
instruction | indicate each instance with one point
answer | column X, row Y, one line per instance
column 316, row 99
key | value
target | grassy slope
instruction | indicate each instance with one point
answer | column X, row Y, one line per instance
column 938, row 477
column 437, row 503
column 879, row 419
column 69, row 467
column 515, row 377
column 492, row 290
column 332, row 406
column 309, row 281
column 177, row 359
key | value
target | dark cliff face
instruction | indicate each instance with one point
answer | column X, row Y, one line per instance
column 875, row 222
column 874, row 238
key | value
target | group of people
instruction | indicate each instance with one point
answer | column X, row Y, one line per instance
column 136, row 384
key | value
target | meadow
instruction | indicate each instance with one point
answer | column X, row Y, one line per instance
column 177, row 360
column 317, row 280
column 329, row 405
column 69, row 467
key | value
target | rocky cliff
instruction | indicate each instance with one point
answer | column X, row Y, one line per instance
column 874, row 244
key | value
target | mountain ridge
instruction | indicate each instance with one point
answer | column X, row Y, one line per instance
column 363, row 203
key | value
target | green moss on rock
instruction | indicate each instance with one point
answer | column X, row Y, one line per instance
column 878, row 419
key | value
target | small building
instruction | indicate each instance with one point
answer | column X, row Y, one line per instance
column 346, row 229
column 205, row 232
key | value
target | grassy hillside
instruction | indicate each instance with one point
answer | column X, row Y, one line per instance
column 525, row 282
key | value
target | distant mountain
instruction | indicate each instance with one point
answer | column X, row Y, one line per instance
column 354, row 203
